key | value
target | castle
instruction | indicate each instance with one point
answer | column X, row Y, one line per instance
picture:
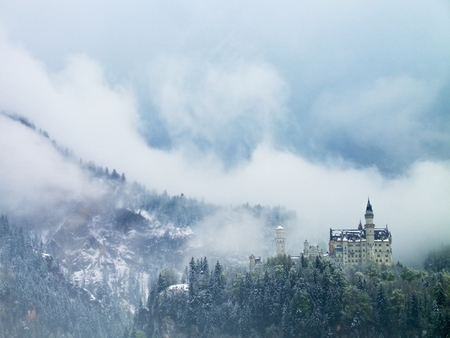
column 361, row 245
column 346, row 246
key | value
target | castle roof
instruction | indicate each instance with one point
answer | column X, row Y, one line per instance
column 357, row 235
column 360, row 227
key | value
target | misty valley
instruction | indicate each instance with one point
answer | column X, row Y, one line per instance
column 111, row 258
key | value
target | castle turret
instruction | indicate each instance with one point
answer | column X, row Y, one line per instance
column 369, row 227
column 305, row 247
column 280, row 240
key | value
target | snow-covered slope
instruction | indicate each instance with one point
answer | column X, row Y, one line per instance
column 111, row 236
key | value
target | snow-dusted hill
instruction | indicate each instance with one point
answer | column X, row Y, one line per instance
column 111, row 236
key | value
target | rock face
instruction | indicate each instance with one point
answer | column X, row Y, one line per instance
column 115, row 249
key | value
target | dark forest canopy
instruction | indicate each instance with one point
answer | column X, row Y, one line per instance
column 36, row 300
column 311, row 299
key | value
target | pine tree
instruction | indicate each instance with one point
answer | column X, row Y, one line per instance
column 304, row 262
column 114, row 175
column 414, row 312
column 361, row 284
column 161, row 283
column 439, row 295
column 192, row 272
column 4, row 226
column 218, row 284
column 383, row 311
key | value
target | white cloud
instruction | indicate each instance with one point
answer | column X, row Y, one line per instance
column 207, row 102
column 273, row 56
column 33, row 174
column 228, row 232
column 76, row 105
column 383, row 112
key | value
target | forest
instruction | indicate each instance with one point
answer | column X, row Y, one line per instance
column 37, row 301
column 310, row 299
column 313, row 298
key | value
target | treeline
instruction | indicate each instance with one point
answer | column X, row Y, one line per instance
column 98, row 171
column 310, row 299
column 178, row 210
column 438, row 260
column 37, row 301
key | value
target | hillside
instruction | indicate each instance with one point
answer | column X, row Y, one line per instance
column 36, row 299
column 114, row 240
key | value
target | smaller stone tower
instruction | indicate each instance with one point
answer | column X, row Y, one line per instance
column 280, row 240
column 305, row 248
column 252, row 262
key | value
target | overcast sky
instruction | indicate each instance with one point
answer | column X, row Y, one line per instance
column 311, row 105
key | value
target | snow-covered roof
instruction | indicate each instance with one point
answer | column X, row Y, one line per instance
column 347, row 234
column 357, row 235
column 178, row 287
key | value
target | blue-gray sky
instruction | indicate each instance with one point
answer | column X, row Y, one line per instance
column 311, row 105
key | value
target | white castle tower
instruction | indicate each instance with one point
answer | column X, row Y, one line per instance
column 305, row 247
column 369, row 227
column 280, row 240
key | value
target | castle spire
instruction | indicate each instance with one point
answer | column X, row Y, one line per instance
column 369, row 207
column 369, row 213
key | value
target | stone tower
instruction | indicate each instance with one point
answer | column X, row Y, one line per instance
column 305, row 247
column 369, row 227
column 280, row 240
